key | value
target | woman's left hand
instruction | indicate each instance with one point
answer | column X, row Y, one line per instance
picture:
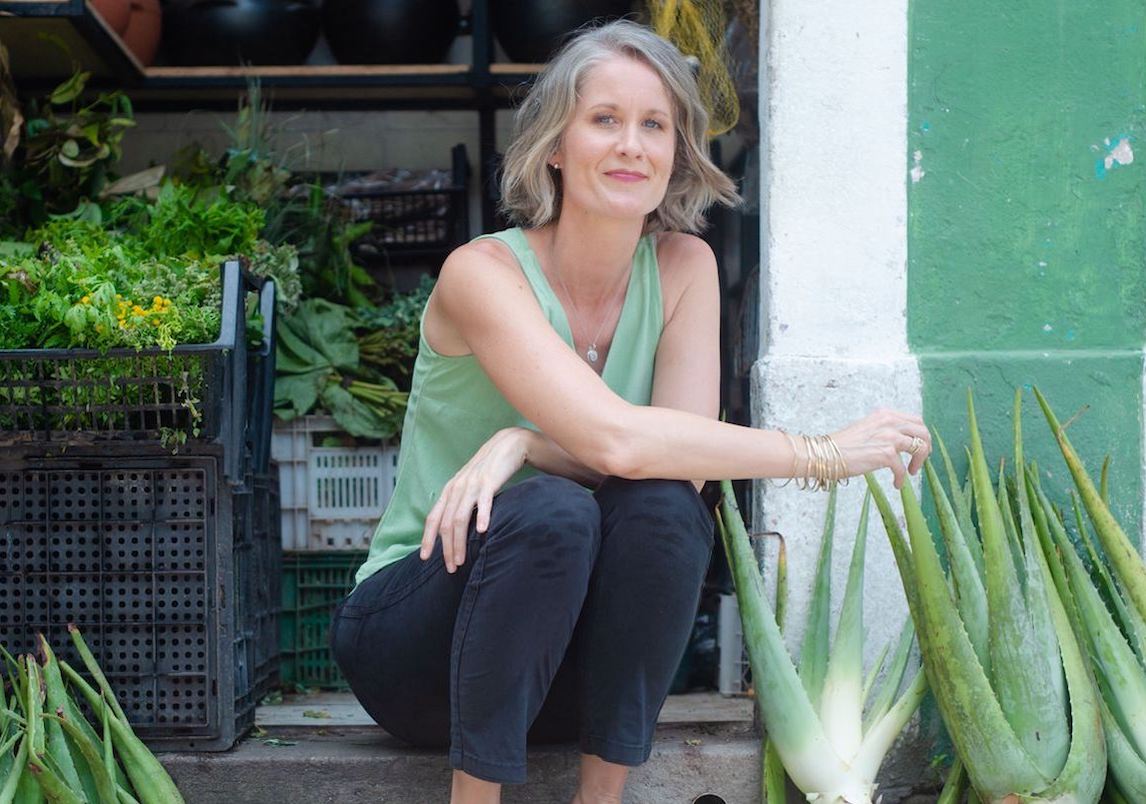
column 472, row 487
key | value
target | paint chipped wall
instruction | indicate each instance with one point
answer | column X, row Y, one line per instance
column 1026, row 227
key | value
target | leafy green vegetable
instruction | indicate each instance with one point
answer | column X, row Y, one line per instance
column 317, row 360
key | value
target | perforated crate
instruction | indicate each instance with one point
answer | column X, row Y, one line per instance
column 332, row 496
column 196, row 392
column 313, row 583
column 163, row 573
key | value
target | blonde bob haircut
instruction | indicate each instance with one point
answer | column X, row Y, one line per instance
column 531, row 189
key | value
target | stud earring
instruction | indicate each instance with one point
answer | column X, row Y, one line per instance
column 555, row 166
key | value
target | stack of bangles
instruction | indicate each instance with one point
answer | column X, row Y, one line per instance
column 824, row 465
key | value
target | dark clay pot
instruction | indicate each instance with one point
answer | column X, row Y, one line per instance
column 530, row 30
column 201, row 32
column 390, row 31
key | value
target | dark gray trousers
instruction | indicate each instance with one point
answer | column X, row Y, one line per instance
column 566, row 622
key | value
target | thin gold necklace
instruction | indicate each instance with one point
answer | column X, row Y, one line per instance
column 591, row 353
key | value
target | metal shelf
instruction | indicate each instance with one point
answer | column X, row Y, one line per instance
column 32, row 29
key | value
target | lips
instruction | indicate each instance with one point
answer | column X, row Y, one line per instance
column 626, row 175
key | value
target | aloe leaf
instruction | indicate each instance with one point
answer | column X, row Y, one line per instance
column 879, row 739
column 970, row 596
column 1115, row 662
column 814, row 652
column 1047, row 665
column 785, row 708
column 895, row 674
column 961, row 503
column 1084, row 772
column 103, row 784
column 775, row 778
column 1006, row 511
column 1028, row 696
column 55, row 789
column 57, row 702
column 1126, row 765
column 96, row 673
column 876, row 669
column 995, row 758
column 151, row 781
column 1128, row 618
column 1124, row 557
column 12, row 781
column 841, row 706
column 955, row 786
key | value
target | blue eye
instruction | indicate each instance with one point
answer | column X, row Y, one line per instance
column 653, row 123
column 604, row 118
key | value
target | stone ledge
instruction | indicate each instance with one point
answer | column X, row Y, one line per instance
column 355, row 765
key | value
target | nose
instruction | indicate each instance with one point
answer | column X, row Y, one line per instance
column 629, row 141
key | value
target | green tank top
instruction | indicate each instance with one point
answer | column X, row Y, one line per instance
column 454, row 408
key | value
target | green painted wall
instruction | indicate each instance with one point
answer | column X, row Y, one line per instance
column 1027, row 229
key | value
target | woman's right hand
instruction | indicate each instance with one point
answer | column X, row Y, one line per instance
column 469, row 494
column 880, row 439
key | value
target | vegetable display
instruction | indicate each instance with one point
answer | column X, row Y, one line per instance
column 814, row 716
column 50, row 752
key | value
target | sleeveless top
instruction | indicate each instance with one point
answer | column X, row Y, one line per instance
column 454, row 408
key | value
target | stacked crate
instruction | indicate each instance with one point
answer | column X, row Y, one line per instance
column 154, row 531
column 334, row 489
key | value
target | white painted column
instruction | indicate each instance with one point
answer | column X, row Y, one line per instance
column 834, row 283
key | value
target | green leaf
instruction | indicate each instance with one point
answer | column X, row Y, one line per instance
column 70, row 89
column 354, row 416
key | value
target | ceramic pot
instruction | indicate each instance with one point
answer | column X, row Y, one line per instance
column 390, row 31
column 115, row 13
column 530, row 30
column 202, row 32
column 143, row 30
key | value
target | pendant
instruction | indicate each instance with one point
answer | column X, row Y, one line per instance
column 591, row 353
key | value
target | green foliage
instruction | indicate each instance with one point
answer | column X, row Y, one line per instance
column 68, row 147
column 317, row 365
column 153, row 281
column 389, row 335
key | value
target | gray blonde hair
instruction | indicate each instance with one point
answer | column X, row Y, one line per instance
column 531, row 190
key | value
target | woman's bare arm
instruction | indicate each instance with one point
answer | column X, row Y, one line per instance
column 487, row 302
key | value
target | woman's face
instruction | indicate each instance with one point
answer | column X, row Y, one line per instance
column 616, row 153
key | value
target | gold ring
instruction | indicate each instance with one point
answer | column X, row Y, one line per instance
column 916, row 443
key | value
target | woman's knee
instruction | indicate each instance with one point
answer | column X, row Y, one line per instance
column 661, row 506
column 551, row 515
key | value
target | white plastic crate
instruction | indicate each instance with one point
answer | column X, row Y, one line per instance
column 332, row 497
column 735, row 674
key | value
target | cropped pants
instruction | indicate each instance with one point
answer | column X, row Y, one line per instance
column 566, row 622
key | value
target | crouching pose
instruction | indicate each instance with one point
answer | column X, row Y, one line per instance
column 536, row 574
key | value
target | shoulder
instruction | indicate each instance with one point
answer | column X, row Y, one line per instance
column 477, row 264
column 686, row 263
column 684, row 252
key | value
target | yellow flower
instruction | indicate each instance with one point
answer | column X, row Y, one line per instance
column 138, row 310
column 86, row 300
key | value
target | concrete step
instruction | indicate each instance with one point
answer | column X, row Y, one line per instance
column 325, row 750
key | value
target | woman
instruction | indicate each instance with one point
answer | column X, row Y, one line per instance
column 578, row 351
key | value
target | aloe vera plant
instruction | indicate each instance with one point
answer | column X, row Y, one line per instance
column 1011, row 680
column 1108, row 614
column 49, row 751
column 815, row 716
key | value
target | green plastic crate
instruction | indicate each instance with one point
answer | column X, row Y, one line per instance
column 313, row 583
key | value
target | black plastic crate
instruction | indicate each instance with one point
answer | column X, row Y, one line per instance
column 261, row 385
column 165, row 571
column 408, row 223
column 197, row 392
